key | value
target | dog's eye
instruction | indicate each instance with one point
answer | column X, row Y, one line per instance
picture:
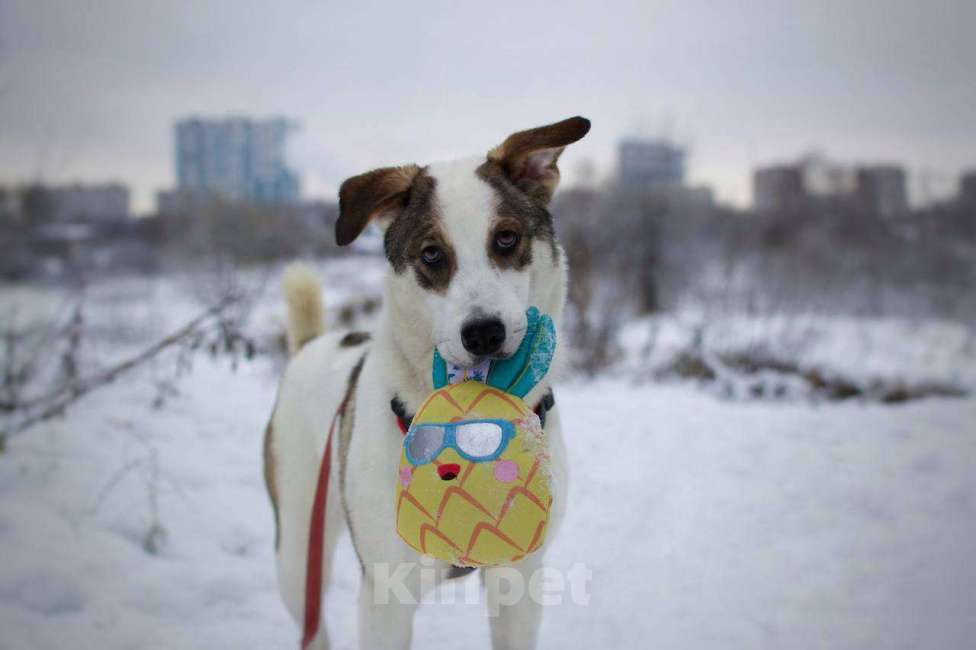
column 432, row 255
column 506, row 239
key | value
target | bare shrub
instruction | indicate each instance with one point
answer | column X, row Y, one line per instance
column 30, row 398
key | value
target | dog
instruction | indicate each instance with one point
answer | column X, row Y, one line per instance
column 470, row 246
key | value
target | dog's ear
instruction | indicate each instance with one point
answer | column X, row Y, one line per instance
column 379, row 194
column 529, row 158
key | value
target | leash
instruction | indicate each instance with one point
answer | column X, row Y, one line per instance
column 316, row 530
column 316, row 536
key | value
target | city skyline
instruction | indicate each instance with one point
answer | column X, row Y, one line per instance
column 242, row 158
column 90, row 93
column 237, row 157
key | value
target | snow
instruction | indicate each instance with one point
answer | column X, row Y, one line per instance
column 706, row 523
column 867, row 352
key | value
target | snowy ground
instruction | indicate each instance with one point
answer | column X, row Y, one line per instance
column 872, row 357
column 706, row 523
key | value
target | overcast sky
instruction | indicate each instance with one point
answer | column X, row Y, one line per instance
column 89, row 89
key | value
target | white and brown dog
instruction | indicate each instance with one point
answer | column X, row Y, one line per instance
column 470, row 246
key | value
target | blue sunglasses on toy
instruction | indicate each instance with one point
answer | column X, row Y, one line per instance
column 475, row 440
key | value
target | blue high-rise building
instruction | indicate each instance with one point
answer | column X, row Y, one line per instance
column 650, row 164
column 237, row 158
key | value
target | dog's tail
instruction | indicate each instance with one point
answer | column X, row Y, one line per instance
column 306, row 316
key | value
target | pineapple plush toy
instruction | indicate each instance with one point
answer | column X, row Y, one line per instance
column 474, row 484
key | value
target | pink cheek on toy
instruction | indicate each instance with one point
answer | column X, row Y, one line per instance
column 506, row 471
column 405, row 475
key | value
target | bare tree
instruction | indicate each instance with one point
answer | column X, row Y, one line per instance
column 217, row 328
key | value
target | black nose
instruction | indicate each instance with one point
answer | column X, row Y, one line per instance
column 483, row 336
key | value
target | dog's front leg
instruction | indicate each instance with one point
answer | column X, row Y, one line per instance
column 388, row 598
column 514, row 612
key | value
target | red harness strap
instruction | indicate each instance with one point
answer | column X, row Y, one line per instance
column 403, row 425
column 316, row 538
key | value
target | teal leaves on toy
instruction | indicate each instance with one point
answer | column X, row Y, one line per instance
column 523, row 370
column 440, row 370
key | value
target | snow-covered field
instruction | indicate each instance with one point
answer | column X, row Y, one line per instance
column 706, row 522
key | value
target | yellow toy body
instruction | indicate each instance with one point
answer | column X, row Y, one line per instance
column 486, row 512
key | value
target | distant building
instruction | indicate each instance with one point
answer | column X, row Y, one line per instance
column 696, row 196
column 237, row 158
column 103, row 202
column 778, row 188
column 10, row 205
column 824, row 178
column 882, row 190
column 967, row 188
column 174, row 203
column 650, row 164
column 816, row 182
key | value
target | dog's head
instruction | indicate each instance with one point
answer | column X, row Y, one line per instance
column 465, row 239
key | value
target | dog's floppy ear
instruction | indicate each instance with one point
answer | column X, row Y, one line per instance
column 529, row 158
column 378, row 194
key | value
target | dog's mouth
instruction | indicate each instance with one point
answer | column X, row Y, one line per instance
column 464, row 359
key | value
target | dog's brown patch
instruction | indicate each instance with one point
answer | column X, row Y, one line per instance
column 518, row 212
column 433, row 278
column 528, row 158
column 368, row 196
column 270, row 474
column 415, row 228
column 352, row 339
column 406, row 196
column 517, row 257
